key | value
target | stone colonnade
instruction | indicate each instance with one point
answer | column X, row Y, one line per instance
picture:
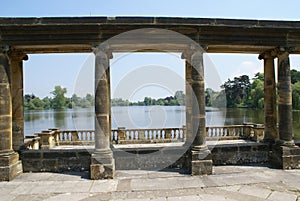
column 285, row 154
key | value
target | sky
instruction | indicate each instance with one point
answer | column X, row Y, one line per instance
column 75, row 71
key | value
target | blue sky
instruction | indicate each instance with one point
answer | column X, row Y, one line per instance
column 43, row 72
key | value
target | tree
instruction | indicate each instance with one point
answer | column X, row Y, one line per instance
column 219, row 99
column 259, row 76
column 47, row 103
column 180, row 97
column 237, row 91
column 295, row 76
column 256, row 97
column 90, row 99
column 59, row 100
column 147, row 101
column 296, row 95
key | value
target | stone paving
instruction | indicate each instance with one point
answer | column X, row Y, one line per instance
column 227, row 183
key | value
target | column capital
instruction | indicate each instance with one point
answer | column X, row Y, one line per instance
column 102, row 48
column 18, row 55
column 284, row 51
column 187, row 54
column 269, row 54
column 4, row 49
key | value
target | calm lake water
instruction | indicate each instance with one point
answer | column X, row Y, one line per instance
column 142, row 117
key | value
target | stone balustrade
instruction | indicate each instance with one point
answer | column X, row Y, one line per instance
column 76, row 137
column 54, row 137
column 32, row 142
column 155, row 135
column 254, row 132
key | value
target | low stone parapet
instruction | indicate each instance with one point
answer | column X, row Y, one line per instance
column 58, row 160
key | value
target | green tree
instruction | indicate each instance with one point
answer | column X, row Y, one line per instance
column 296, row 95
column 259, row 76
column 75, row 101
column 219, row 99
column 147, row 101
column 90, row 99
column 295, row 76
column 59, row 100
column 180, row 97
column 237, row 91
column 47, row 103
column 256, row 97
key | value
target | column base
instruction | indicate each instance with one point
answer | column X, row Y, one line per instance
column 10, row 166
column 102, row 165
column 285, row 157
column 201, row 160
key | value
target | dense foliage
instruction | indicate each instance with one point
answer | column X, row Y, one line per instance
column 59, row 101
column 177, row 99
column 240, row 92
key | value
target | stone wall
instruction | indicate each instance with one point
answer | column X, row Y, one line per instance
column 55, row 160
column 143, row 158
column 239, row 154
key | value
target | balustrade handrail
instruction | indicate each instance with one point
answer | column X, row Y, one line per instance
column 122, row 135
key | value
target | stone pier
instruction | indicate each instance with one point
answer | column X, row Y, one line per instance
column 286, row 154
column 10, row 166
column 270, row 132
column 102, row 161
column 16, row 77
column 201, row 160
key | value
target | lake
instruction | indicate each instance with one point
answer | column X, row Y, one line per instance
column 142, row 117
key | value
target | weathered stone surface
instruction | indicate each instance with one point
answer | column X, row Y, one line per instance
column 16, row 77
column 227, row 183
column 285, row 157
column 235, row 154
column 270, row 134
column 10, row 167
column 101, row 171
column 201, row 167
column 102, row 161
column 55, row 160
column 284, row 97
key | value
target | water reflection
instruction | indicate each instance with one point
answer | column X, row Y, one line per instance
column 59, row 118
column 142, row 117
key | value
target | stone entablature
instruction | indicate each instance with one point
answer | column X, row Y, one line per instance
column 80, row 34
column 195, row 36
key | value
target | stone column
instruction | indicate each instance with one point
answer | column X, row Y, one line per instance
column 16, row 77
column 10, row 166
column 201, row 160
column 285, row 154
column 102, row 162
column 188, row 100
column 285, row 98
column 270, row 130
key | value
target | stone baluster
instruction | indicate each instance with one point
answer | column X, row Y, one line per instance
column 9, row 160
column 270, row 129
column 102, row 162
